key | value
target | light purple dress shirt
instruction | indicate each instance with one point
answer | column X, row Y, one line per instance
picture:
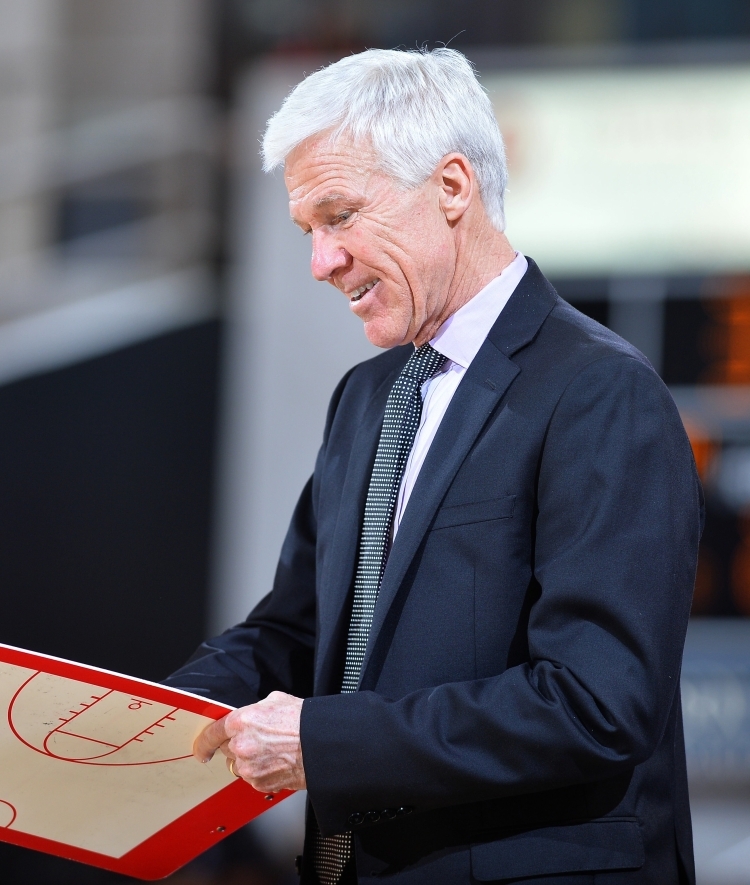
column 459, row 339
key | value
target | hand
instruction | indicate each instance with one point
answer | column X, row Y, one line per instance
column 263, row 742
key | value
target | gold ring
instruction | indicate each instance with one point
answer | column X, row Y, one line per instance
column 231, row 767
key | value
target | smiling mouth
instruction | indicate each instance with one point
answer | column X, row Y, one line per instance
column 358, row 293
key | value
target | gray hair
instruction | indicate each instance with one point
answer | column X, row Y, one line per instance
column 413, row 107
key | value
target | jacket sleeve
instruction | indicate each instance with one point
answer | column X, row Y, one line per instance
column 615, row 549
column 273, row 649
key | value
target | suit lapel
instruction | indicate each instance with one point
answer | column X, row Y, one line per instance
column 526, row 310
column 484, row 384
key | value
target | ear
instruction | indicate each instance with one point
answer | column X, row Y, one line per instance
column 457, row 185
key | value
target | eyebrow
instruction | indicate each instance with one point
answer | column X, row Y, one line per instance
column 323, row 202
column 327, row 199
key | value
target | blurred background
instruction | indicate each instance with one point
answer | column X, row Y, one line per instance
column 149, row 275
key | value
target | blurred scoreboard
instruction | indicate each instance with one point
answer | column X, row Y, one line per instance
column 628, row 170
column 630, row 186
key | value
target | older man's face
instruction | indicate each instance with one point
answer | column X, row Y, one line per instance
column 389, row 250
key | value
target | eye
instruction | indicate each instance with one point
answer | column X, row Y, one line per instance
column 344, row 216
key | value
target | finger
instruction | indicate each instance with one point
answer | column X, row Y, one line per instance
column 209, row 740
column 232, row 766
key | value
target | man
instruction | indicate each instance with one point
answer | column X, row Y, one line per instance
column 471, row 653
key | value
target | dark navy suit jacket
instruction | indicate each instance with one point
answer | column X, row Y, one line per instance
column 519, row 712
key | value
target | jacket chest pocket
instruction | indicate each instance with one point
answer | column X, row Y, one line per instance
column 475, row 511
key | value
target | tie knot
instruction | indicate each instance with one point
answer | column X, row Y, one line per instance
column 423, row 363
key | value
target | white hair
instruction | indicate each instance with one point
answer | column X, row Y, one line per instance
column 413, row 107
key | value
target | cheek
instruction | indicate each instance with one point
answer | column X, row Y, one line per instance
column 393, row 307
column 373, row 244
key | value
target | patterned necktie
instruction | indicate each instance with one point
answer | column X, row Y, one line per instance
column 403, row 412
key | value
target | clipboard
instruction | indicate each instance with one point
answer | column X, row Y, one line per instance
column 96, row 767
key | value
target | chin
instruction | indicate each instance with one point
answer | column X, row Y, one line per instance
column 385, row 338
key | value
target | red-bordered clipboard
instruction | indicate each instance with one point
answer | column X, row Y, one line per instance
column 63, row 734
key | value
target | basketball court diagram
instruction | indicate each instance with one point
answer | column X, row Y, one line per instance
column 98, row 767
column 83, row 724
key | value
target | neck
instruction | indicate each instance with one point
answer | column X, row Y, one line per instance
column 483, row 257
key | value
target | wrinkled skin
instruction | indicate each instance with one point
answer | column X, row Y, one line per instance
column 428, row 250
column 262, row 742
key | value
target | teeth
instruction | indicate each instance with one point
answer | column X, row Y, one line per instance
column 358, row 293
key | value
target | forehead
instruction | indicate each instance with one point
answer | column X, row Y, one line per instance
column 321, row 170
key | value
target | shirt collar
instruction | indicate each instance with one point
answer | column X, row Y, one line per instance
column 463, row 333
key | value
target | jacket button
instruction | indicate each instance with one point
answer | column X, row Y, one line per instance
column 372, row 817
column 356, row 819
column 390, row 813
column 404, row 810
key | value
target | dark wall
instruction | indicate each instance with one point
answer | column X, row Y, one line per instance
column 105, row 500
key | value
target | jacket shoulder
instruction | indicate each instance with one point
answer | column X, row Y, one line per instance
column 575, row 338
column 383, row 363
column 370, row 374
column 361, row 381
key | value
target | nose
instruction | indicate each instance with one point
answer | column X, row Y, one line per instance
column 327, row 255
